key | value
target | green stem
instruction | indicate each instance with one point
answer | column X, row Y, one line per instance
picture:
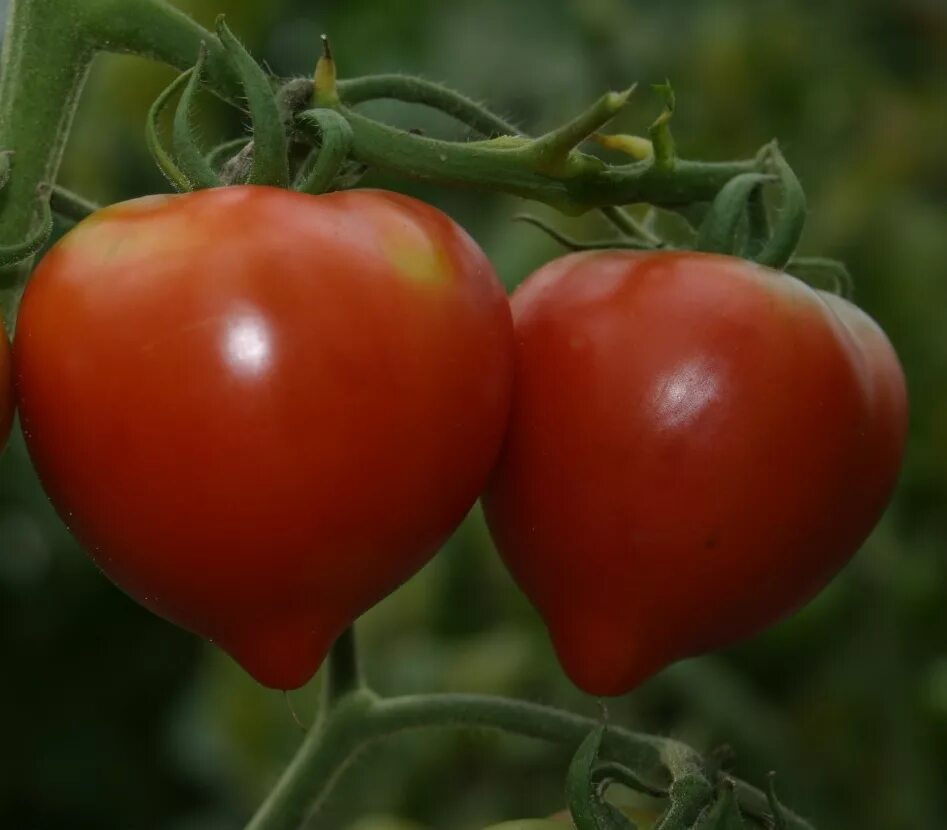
column 360, row 719
column 418, row 91
column 499, row 166
column 42, row 68
column 345, row 674
column 69, row 205
column 553, row 152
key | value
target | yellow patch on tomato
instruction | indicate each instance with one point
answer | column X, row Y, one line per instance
column 134, row 229
column 414, row 255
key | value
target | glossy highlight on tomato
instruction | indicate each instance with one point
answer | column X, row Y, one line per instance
column 6, row 387
column 697, row 445
column 261, row 411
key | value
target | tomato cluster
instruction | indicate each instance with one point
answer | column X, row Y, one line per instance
column 260, row 411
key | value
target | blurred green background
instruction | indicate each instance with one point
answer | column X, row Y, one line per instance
column 112, row 718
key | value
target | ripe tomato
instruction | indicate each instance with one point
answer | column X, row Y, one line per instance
column 6, row 388
column 697, row 444
column 261, row 411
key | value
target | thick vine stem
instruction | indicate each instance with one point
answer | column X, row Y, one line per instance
column 501, row 165
column 345, row 673
column 361, row 718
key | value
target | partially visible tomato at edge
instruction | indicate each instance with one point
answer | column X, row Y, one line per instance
column 6, row 387
column 696, row 446
column 260, row 411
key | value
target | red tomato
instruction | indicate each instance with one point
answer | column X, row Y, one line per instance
column 6, row 387
column 261, row 411
column 697, row 445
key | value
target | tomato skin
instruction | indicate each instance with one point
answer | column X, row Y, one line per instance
column 261, row 411
column 696, row 446
column 6, row 387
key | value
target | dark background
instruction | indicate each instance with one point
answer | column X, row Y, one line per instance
column 111, row 718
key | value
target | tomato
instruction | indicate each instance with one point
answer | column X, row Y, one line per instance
column 6, row 387
column 696, row 446
column 260, row 411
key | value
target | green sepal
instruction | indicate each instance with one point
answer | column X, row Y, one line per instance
column 587, row 805
column 573, row 244
column 325, row 162
column 608, row 772
column 270, row 150
column 224, row 151
column 724, row 813
column 817, row 271
column 776, row 808
column 791, row 217
column 690, row 794
column 757, row 224
column 19, row 251
column 190, row 159
column 719, row 230
column 164, row 160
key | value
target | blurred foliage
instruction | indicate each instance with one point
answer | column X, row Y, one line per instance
column 115, row 719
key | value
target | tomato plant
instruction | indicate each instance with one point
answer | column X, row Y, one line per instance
column 260, row 411
column 263, row 403
column 697, row 444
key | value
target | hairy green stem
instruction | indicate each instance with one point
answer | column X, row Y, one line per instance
column 345, row 673
column 360, row 718
column 419, row 91
column 501, row 166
